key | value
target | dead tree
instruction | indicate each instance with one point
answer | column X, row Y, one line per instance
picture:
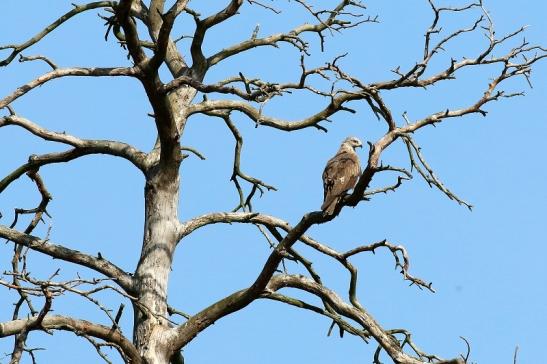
column 157, row 338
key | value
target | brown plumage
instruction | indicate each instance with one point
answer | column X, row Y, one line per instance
column 341, row 174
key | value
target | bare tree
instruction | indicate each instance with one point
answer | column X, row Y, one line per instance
column 157, row 336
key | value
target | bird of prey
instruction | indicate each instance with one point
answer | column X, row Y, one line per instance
column 341, row 174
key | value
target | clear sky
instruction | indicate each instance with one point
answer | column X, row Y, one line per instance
column 488, row 266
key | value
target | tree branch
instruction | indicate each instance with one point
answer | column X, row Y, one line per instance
column 208, row 316
column 99, row 264
column 200, row 63
column 65, row 72
column 429, row 175
column 113, row 148
column 336, row 104
column 359, row 315
column 162, row 42
column 18, row 48
column 291, row 37
column 123, row 17
column 36, row 161
column 30, row 325
column 77, row 326
column 18, row 252
column 257, row 184
column 48, row 61
column 256, row 90
column 344, row 325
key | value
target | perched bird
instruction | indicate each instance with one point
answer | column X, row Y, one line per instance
column 341, row 174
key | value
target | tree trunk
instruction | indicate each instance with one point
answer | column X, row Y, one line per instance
column 152, row 274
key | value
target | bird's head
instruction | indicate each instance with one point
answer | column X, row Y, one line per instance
column 352, row 142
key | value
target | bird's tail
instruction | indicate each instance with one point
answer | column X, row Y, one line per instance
column 329, row 205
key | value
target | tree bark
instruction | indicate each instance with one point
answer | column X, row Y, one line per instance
column 152, row 274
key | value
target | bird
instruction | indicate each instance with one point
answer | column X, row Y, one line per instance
column 341, row 174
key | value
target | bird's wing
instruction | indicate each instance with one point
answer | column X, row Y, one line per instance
column 339, row 176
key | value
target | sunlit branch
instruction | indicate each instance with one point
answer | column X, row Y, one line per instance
column 48, row 61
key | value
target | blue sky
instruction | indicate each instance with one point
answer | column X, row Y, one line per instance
column 487, row 265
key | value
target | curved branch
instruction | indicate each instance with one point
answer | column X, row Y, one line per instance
column 291, row 37
column 18, row 48
column 345, row 326
column 429, row 175
column 335, row 105
column 359, row 315
column 98, row 264
column 48, row 61
column 200, row 63
column 36, row 161
column 197, row 323
column 237, row 172
column 77, row 326
column 18, row 252
column 272, row 40
column 190, row 226
column 96, row 147
column 109, row 147
column 64, row 72
column 394, row 249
